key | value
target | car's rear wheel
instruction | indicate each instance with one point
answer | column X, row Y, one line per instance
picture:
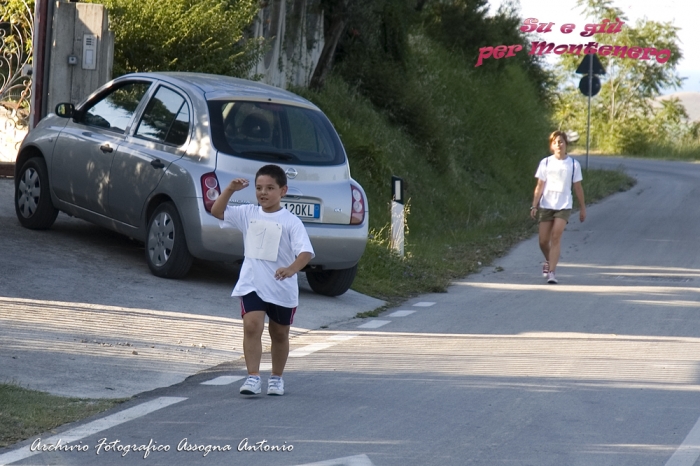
column 32, row 196
column 166, row 249
column 331, row 282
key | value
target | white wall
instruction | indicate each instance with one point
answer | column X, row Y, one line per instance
column 296, row 30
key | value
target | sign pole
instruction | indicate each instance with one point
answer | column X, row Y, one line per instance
column 588, row 130
column 590, row 65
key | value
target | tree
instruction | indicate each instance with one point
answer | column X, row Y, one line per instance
column 183, row 35
column 625, row 115
column 335, row 19
column 16, row 30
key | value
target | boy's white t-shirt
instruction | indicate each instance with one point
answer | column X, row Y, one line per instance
column 279, row 234
column 557, row 178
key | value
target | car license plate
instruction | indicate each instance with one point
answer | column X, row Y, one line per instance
column 304, row 210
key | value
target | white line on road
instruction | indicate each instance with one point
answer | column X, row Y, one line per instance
column 224, row 380
column 401, row 313
column 374, row 324
column 424, row 304
column 343, row 336
column 312, row 348
column 93, row 427
column 308, row 349
column 689, row 451
column 358, row 460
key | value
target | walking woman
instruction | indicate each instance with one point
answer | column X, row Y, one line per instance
column 552, row 203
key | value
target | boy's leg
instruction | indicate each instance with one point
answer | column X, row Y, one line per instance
column 253, row 326
column 279, row 334
column 555, row 248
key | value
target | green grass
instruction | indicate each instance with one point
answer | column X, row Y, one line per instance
column 25, row 413
column 688, row 151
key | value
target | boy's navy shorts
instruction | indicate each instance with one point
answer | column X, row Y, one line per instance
column 280, row 314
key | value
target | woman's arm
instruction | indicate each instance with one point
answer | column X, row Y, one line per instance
column 578, row 190
column 539, row 189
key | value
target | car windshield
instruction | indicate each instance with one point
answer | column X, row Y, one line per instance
column 274, row 132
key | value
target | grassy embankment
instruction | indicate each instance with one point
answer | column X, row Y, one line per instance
column 469, row 199
column 469, row 162
column 688, row 151
column 25, row 413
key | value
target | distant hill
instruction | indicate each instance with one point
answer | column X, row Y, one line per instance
column 689, row 100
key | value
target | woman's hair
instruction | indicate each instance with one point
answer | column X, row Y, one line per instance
column 555, row 134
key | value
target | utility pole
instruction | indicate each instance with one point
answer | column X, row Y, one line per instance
column 40, row 66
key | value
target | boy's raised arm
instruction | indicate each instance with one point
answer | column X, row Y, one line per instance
column 217, row 210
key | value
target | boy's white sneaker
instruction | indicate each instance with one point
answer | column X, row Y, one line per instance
column 275, row 386
column 251, row 386
column 545, row 269
column 551, row 278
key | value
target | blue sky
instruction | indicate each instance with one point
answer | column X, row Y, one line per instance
column 683, row 13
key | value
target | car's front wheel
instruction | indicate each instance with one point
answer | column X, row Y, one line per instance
column 166, row 249
column 331, row 282
column 32, row 197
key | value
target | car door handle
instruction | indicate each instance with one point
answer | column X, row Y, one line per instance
column 157, row 163
column 106, row 148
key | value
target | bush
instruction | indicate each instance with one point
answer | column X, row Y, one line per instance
column 183, row 35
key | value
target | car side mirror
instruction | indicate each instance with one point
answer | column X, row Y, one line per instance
column 65, row 110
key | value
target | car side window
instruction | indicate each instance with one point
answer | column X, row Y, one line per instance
column 115, row 110
column 166, row 118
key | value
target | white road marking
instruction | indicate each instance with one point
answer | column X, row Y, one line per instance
column 265, row 366
column 359, row 460
column 424, row 304
column 93, row 427
column 224, row 380
column 308, row 349
column 343, row 336
column 689, row 451
column 374, row 324
column 401, row 313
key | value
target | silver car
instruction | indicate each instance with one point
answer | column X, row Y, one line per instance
column 146, row 154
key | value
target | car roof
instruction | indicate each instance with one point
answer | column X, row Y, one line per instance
column 217, row 87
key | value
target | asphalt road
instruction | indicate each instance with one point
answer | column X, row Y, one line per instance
column 601, row 369
column 81, row 314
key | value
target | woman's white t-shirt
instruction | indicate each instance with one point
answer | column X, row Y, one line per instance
column 558, row 181
column 275, row 240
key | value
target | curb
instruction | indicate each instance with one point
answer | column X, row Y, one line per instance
column 7, row 169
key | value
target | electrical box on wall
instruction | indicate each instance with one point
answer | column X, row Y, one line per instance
column 89, row 51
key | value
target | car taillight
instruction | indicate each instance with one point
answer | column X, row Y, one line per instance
column 358, row 207
column 210, row 190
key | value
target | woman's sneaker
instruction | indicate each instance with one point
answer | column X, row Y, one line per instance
column 275, row 386
column 545, row 269
column 551, row 278
column 251, row 386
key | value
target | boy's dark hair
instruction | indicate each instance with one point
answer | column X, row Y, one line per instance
column 275, row 172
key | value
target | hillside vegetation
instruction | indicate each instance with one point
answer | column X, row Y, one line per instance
column 467, row 142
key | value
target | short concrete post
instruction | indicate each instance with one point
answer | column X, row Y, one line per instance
column 397, row 215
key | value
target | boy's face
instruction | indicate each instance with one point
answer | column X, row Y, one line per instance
column 269, row 193
column 558, row 146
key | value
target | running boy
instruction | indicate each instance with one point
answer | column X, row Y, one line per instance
column 276, row 248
